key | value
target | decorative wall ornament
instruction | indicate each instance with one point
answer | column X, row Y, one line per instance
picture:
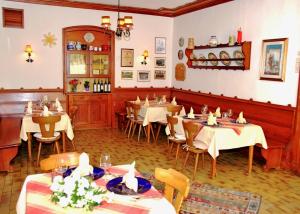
column 180, row 72
column 49, row 40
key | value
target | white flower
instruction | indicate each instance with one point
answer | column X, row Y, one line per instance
column 89, row 195
column 57, row 179
column 69, row 188
column 63, row 202
column 97, row 198
column 84, row 182
column 80, row 191
column 81, row 203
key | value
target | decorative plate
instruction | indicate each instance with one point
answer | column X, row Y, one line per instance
column 213, row 56
column 117, row 187
column 89, row 37
column 180, row 72
column 97, row 173
column 180, row 54
column 202, row 63
column 238, row 54
column 181, row 42
column 193, row 56
column 225, row 55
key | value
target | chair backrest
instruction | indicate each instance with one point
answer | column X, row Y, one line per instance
column 136, row 109
column 57, row 160
column 72, row 114
column 191, row 129
column 173, row 180
column 47, row 121
column 172, row 121
column 174, row 109
column 128, row 106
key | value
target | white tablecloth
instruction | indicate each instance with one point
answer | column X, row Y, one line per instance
column 218, row 138
column 29, row 126
column 155, row 205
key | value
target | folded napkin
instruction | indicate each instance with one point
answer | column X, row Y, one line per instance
column 59, row 108
column 241, row 118
column 211, row 120
column 191, row 114
column 138, row 101
column 84, row 168
column 46, row 111
column 57, row 103
column 45, row 99
column 129, row 178
column 218, row 112
column 29, row 108
column 174, row 101
column 164, row 99
column 146, row 102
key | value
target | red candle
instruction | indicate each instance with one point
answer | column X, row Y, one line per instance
column 239, row 36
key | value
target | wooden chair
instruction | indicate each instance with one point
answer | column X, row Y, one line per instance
column 47, row 135
column 173, row 110
column 174, row 138
column 138, row 120
column 54, row 161
column 129, row 117
column 72, row 114
column 191, row 130
column 173, row 180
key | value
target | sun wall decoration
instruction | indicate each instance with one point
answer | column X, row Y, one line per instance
column 49, row 40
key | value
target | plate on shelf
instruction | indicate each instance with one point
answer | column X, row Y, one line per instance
column 97, row 173
column 212, row 56
column 192, row 56
column 202, row 63
column 89, row 37
column 181, row 41
column 117, row 187
column 224, row 55
column 238, row 54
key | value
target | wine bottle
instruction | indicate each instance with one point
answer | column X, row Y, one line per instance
column 101, row 87
column 108, row 86
column 105, row 86
column 95, row 86
column 98, row 86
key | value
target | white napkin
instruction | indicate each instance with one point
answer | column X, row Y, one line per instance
column 211, row 120
column 218, row 112
column 129, row 178
column 84, row 168
column 57, row 103
column 164, row 99
column 174, row 101
column 146, row 102
column 241, row 118
column 45, row 99
column 59, row 108
column 191, row 114
column 29, row 108
column 138, row 101
column 46, row 111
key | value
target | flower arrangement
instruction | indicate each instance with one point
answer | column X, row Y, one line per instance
column 86, row 85
column 74, row 83
column 76, row 191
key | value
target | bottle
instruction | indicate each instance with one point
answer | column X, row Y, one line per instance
column 108, row 86
column 101, row 87
column 98, row 87
column 239, row 36
column 105, row 86
column 95, row 86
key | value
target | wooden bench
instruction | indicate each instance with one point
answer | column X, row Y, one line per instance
column 9, row 141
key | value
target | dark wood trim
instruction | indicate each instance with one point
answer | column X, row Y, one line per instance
column 168, row 12
column 22, row 90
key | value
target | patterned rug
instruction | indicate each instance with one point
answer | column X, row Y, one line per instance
column 205, row 198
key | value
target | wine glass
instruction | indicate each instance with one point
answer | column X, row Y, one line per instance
column 204, row 109
column 60, row 167
column 105, row 161
column 229, row 113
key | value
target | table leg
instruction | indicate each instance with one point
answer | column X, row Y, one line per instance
column 63, row 133
column 29, row 146
column 251, row 148
column 148, row 132
column 213, row 167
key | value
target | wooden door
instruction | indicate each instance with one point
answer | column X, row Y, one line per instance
column 82, row 116
column 99, row 111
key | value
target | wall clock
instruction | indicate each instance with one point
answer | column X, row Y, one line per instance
column 89, row 37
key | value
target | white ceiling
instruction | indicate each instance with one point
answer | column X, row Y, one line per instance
column 150, row 4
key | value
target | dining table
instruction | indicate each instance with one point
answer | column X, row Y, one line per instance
column 35, row 197
column 225, row 135
column 154, row 112
column 28, row 127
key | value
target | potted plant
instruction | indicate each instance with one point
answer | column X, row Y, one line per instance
column 86, row 85
column 74, row 83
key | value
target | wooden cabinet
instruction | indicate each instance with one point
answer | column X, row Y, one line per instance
column 223, row 56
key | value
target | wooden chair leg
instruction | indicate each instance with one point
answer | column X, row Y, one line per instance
column 177, row 153
column 196, row 164
column 151, row 128
column 73, row 144
column 133, row 130
column 127, row 126
column 140, row 126
column 203, row 160
column 57, row 147
column 38, row 155
column 145, row 131
column 186, row 159
column 157, row 133
column 130, row 127
column 171, row 147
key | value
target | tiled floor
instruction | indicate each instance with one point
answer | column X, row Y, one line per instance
column 280, row 190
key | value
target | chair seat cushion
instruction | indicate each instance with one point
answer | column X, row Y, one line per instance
column 178, row 137
column 200, row 145
column 38, row 136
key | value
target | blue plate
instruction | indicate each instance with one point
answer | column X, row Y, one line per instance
column 97, row 173
column 117, row 187
column 196, row 117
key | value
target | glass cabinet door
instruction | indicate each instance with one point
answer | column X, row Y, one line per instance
column 99, row 64
column 77, row 64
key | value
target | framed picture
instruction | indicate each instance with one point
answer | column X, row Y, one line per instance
column 273, row 61
column 143, row 76
column 127, row 57
column 160, row 62
column 127, row 75
column 180, row 54
column 160, row 74
column 160, row 45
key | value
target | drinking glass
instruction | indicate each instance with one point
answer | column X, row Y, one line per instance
column 204, row 109
column 229, row 112
column 225, row 115
column 105, row 161
column 60, row 167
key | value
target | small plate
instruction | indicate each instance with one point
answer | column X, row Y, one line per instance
column 238, row 54
column 225, row 55
column 202, row 63
column 117, row 187
column 205, row 123
column 234, row 121
column 196, row 117
column 213, row 56
column 97, row 173
column 181, row 41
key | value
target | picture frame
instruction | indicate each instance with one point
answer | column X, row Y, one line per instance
column 160, row 45
column 127, row 75
column 127, row 57
column 143, row 76
column 160, row 74
column 159, row 62
column 273, row 59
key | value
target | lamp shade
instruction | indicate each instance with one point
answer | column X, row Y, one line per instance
column 128, row 21
column 105, row 21
column 121, row 22
column 145, row 54
column 28, row 49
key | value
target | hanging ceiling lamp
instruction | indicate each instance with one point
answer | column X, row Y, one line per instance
column 124, row 25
